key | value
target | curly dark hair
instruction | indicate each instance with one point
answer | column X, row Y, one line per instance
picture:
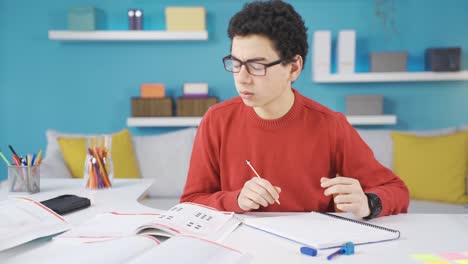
column 276, row 20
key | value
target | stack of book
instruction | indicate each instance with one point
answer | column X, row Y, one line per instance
column 152, row 101
column 195, row 101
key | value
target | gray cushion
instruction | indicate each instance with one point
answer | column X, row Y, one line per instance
column 380, row 141
column 430, row 207
column 165, row 158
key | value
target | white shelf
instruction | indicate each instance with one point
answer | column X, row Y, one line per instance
column 391, row 77
column 126, row 35
column 372, row 119
column 195, row 121
column 322, row 61
column 163, row 121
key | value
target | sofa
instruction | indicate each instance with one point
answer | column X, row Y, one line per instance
column 165, row 158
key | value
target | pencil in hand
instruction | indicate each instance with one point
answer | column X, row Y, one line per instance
column 256, row 173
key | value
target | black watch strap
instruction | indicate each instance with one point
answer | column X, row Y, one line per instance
column 375, row 205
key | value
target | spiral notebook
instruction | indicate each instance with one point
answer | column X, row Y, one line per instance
column 323, row 230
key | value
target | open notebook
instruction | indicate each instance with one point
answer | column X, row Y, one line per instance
column 322, row 230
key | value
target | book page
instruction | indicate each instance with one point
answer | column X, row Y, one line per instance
column 320, row 231
column 131, row 249
column 23, row 220
column 193, row 219
column 187, row 249
column 180, row 219
column 112, row 224
column 81, row 250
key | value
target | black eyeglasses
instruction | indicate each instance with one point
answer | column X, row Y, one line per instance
column 234, row 65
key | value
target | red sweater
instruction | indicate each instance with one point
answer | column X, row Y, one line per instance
column 292, row 152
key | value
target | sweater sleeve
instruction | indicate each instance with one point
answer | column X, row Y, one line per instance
column 203, row 185
column 356, row 160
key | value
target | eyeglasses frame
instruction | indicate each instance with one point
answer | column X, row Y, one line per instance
column 267, row 65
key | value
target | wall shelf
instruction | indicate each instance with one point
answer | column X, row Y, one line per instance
column 391, row 77
column 195, row 121
column 127, row 35
column 322, row 62
column 163, row 121
column 372, row 119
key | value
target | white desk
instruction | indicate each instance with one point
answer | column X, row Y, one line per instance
column 420, row 233
column 123, row 196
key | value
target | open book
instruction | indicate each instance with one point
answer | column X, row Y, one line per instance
column 322, row 230
column 137, row 249
column 23, row 220
column 182, row 219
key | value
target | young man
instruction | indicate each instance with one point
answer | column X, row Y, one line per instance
column 308, row 157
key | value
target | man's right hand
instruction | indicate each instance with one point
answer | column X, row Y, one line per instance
column 257, row 192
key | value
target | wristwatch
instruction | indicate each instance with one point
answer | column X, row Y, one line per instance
column 375, row 205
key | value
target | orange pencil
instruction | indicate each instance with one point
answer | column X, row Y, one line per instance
column 101, row 168
column 90, row 175
column 39, row 158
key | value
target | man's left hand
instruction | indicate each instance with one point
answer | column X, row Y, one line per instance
column 348, row 195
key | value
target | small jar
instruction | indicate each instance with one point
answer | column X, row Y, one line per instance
column 98, row 167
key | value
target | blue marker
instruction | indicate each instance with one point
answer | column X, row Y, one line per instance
column 309, row 251
column 33, row 159
column 346, row 249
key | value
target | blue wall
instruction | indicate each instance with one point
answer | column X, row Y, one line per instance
column 86, row 87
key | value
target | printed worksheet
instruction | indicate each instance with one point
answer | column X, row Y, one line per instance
column 23, row 220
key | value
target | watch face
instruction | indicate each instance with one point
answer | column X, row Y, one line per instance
column 378, row 209
column 375, row 204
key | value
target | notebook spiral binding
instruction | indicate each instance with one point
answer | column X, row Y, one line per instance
column 362, row 223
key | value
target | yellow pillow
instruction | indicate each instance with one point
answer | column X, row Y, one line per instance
column 433, row 168
column 123, row 155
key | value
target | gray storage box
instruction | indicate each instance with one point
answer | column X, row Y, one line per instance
column 364, row 105
column 443, row 59
column 388, row 61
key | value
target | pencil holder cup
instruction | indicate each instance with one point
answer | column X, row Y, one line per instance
column 4, row 188
column 24, row 178
column 98, row 167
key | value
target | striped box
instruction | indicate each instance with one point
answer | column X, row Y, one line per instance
column 194, row 106
column 148, row 107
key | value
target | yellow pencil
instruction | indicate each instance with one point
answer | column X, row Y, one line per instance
column 256, row 173
column 38, row 159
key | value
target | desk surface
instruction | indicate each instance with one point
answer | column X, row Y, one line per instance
column 123, row 196
column 420, row 233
